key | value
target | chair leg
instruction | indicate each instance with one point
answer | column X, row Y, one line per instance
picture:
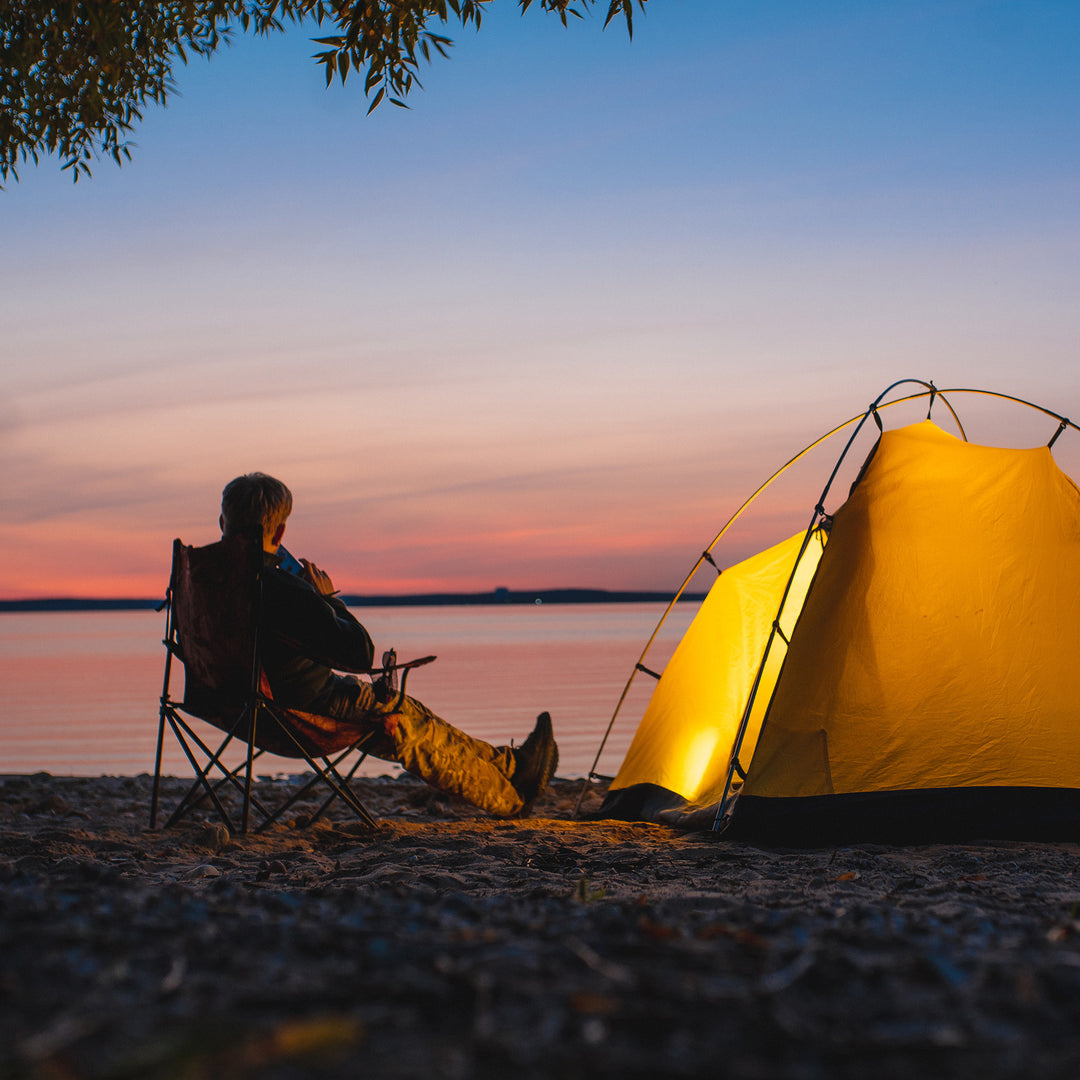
column 201, row 781
column 297, row 795
column 213, row 760
column 155, row 793
column 332, row 778
column 233, row 776
column 345, row 781
column 341, row 790
column 347, row 795
column 246, row 813
column 338, row 791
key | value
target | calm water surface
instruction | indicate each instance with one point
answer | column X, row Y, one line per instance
column 79, row 691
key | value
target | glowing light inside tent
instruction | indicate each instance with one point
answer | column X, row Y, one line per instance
column 697, row 757
column 685, row 739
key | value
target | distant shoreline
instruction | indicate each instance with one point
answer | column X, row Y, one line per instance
column 493, row 598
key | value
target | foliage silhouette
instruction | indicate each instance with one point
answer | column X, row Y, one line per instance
column 76, row 75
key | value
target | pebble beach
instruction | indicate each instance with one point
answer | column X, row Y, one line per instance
column 444, row 944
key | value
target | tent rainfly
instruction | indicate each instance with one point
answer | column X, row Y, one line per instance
column 907, row 668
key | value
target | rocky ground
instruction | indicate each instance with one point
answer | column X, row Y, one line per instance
column 447, row 945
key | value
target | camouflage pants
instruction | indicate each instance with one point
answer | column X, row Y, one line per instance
column 425, row 744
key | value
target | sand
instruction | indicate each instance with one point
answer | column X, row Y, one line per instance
column 451, row 945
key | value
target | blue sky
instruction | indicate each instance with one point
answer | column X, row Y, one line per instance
column 553, row 323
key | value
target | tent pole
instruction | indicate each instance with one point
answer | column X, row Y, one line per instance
column 815, row 521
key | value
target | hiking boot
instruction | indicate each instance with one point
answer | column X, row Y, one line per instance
column 535, row 762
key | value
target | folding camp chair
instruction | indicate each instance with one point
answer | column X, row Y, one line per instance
column 212, row 620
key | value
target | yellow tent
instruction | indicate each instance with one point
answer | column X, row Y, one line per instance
column 914, row 672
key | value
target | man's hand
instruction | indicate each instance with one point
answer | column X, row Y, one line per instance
column 320, row 579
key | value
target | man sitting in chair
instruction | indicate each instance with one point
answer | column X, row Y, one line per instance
column 305, row 632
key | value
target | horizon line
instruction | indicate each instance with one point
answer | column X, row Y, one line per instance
column 493, row 597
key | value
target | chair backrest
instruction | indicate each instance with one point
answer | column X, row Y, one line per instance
column 214, row 605
column 215, row 592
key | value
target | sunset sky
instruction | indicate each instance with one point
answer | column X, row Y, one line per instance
column 552, row 324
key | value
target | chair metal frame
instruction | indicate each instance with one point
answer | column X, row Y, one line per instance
column 256, row 706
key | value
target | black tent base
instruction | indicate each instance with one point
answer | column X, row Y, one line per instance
column 938, row 815
column 923, row 816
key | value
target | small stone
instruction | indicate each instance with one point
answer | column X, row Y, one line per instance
column 204, row 870
column 214, row 836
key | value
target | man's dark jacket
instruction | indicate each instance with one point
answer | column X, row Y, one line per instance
column 304, row 635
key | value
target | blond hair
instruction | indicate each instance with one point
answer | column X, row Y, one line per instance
column 254, row 501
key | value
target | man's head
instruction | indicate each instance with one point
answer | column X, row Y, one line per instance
column 256, row 501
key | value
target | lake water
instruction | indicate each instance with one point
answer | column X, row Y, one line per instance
column 79, row 690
